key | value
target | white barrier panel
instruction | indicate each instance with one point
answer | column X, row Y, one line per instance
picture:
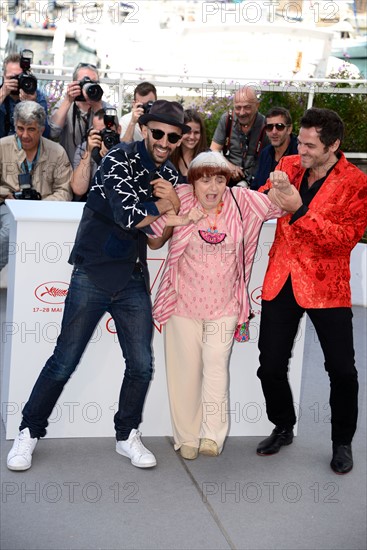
column 42, row 235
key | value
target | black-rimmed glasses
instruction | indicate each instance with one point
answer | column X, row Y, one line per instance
column 159, row 134
column 279, row 126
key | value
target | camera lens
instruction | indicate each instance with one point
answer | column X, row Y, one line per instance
column 28, row 83
column 110, row 138
column 147, row 106
column 93, row 91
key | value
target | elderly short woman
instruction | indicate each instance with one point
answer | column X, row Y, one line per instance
column 202, row 297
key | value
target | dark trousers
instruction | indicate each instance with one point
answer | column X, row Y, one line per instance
column 278, row 328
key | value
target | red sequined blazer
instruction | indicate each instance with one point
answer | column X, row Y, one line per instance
column 315, row 249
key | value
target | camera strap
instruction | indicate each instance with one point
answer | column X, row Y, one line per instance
column 27, row 166
column 246, row 142
column 228, row 133
column 251, row 314
column 77, row 116
column 7, row 122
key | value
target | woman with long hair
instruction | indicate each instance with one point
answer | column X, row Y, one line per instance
column 193, row 143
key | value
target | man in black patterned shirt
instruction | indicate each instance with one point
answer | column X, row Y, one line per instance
column 133, row 187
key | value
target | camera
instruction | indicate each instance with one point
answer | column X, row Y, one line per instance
column 146, row 106
column 92, row 89
column 26, row 80
column 109, row 136
column 249, row 178
column 27, row 191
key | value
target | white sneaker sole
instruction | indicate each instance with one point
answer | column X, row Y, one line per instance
column 18, row 468
column 137, row 464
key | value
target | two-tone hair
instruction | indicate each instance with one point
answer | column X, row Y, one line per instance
column 28, row 112
column 208, row 164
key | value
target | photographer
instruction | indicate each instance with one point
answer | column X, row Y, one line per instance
column 73, row 115
column 144, row 95
column 240, row 135
column 18, row 85
column 102, row 136
column 31, row 167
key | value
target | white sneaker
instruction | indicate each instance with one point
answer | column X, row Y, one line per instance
column 20, row 455
column 134, row 449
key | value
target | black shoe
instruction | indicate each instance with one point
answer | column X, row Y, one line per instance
column 342, row 461
column 278, row 438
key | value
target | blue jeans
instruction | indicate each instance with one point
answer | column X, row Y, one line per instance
column 85, row 304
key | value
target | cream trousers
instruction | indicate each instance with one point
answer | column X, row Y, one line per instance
column 197, row 357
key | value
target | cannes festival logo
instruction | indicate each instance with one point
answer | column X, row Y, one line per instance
column 256, row 295
column 53, row 292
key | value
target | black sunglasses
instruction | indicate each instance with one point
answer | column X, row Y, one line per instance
column 279, row 126
column 158, row 134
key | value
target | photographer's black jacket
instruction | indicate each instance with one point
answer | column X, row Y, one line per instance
column 107, row 244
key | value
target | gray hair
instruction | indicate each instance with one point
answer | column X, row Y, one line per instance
column 209, row 158
column 89, row 66
column 28, row 112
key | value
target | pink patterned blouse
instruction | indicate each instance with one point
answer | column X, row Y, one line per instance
column 255, row 209
column 207, row 275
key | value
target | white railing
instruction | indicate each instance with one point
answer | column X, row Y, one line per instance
column 119, row 86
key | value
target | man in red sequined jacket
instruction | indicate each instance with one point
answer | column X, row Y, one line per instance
column 309, row 271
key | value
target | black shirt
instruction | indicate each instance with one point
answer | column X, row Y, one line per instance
column 308, row 193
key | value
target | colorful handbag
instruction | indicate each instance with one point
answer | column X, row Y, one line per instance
column 242, row 332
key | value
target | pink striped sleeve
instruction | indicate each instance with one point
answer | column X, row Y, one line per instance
column 158, row 225
column 185, row 194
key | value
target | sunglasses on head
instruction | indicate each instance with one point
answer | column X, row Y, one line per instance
column 158, row 134
column 279, row 126
column 84, row 65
